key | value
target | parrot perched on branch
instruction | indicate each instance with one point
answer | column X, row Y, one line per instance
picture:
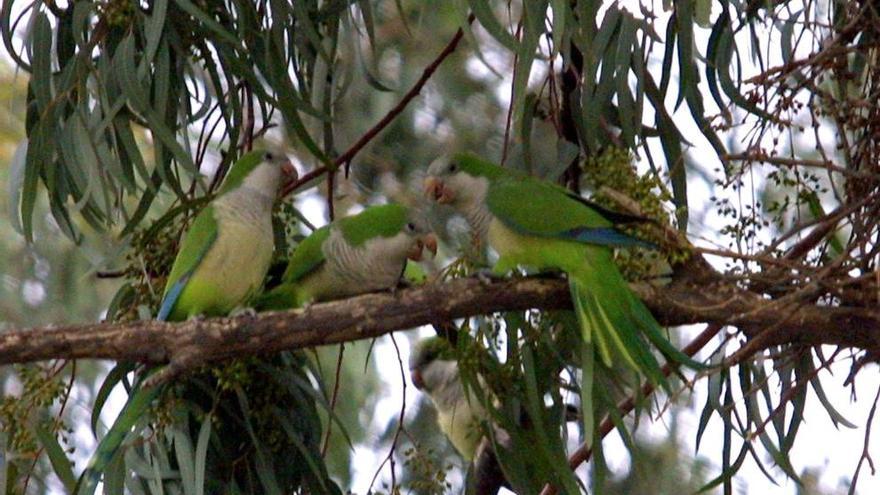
column 537, row 224
column 225, row 254
column 221, row 262
column 361, row 253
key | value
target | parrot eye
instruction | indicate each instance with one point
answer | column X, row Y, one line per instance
column 411, row 227
column 452, row 168
column 268, row 156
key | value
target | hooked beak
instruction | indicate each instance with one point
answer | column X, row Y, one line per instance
column 417, row 379
column 430, row 241
column 436, row 190
column 289, row 171
column 415, row 251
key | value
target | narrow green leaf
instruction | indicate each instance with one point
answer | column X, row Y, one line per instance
column 61, row 465
column 482, row 10
column 37, row 156
column 41, row 50
column 131, row 413
column 263, row 463
column 110, row 381
column 114, row 476
column 201, row 456
column 629, row 120
column 833, row 414
column 15, row 183
column 183, row 452
column 208, row 21
column 718, row 29
column 153, row 27
column 668, row 55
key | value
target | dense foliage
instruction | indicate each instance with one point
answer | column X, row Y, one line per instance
column 748, row 127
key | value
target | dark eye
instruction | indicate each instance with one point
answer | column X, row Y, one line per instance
column 411, row 227
column 452, row 168
column 268, row 156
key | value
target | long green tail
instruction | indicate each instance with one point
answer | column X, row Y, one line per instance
column 617, row 323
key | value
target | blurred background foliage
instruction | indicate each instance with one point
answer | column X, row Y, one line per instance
column 120, row 117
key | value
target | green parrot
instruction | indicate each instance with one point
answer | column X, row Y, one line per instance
column 463, row 418
column 222, row 260
column 533, row 223
column 225, row 254
column 361, row 253
column 434, row 371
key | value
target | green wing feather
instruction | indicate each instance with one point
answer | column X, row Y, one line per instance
column 196, row 242
column 539, row 208
column 382, row 220
column 542, row 209
column 308, row 256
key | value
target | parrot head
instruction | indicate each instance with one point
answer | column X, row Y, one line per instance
column 432, row 364
column 417, row 230
column 260, row 170
column 461, row 182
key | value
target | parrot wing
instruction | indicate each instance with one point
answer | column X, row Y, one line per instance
column 542, row 209
column 196, row 243
column 308, row 256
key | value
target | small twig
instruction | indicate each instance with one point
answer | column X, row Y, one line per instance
column 333, row 397
column 866, row 455
column 331, row 176
column 345, row 158
column 110, row 273
column 509, row 120
column 389, row 459
column 248, row 131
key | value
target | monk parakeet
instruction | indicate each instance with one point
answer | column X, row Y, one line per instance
column 537, row 224
column 434, row 371
column 353, row 255
column 222, row 260
column 460, row 415
column 225, row 254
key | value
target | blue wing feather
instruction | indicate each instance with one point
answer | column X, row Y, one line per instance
column 193, row 247
column 605, row 236
column 171, row 297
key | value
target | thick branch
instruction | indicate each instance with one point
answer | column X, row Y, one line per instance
column 700, row 296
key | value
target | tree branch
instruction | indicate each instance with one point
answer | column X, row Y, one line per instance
column 345, row 158
column 701, row 295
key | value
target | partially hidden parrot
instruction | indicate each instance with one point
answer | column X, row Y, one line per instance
column 352, row 255
column 434, row 370
column 225, row 254
column 533, row 223
column 460, row 415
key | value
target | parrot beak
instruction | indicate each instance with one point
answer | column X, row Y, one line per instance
column 289, row 171
column 417, row 379
column 430, row 241
column 415, row 251
column 437, row 191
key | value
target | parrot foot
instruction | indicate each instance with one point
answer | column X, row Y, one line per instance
column 243, row 311
column 401, row 285
column 487, row 276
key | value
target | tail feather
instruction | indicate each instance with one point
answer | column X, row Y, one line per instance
column 617, row 320
column 284, row 296
column 654, row 333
